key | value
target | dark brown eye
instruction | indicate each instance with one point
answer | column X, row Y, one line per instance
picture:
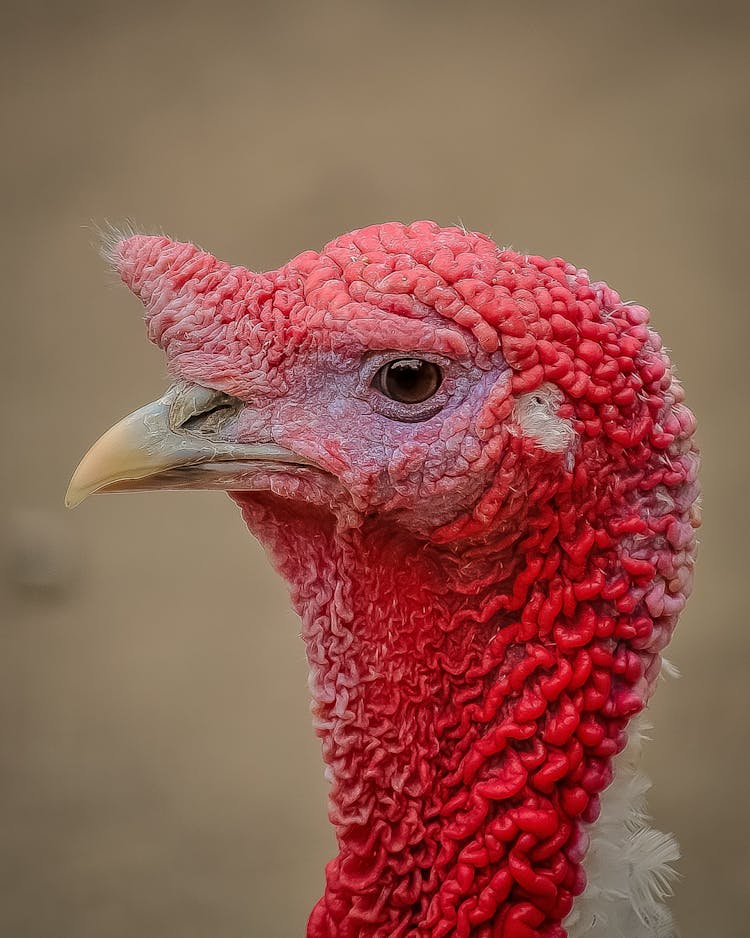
column 408, row 380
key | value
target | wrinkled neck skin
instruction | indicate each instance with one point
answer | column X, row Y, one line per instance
column 469, row 703
column 414, row 719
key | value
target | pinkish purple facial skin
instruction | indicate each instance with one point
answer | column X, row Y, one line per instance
column 333, row 416
column 485, row 580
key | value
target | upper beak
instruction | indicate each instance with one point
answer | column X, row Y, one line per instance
column 173, row 443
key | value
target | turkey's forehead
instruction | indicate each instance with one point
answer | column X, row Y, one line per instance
column 248, row 354
column 416, row 283
column 360, row 327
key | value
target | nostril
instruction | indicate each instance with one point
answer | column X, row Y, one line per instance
column 209, row 420
column 196, row 409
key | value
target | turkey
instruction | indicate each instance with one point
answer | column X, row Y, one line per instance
column 476, row 471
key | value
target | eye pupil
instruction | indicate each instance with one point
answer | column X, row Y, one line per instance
column 409, row 380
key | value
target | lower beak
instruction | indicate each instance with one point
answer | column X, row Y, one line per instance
column 152, row 449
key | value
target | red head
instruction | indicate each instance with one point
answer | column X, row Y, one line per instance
column 486, row 513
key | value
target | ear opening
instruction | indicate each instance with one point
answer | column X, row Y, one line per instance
column 537, row 417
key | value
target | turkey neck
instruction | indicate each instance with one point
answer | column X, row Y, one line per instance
column 389, row 643
column 395, row 630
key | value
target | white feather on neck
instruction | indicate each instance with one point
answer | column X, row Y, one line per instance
column 628, row 863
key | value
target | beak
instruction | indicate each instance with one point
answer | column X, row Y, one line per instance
column 175, row 443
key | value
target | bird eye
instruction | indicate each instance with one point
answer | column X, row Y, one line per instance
column 408, row 380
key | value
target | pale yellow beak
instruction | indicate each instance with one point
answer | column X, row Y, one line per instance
column 175, row 443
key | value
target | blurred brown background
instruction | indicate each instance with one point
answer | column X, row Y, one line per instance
column 159, row 776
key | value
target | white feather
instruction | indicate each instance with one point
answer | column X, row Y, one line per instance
column 628, row 864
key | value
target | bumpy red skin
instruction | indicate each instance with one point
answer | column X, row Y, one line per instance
column 482, row 616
